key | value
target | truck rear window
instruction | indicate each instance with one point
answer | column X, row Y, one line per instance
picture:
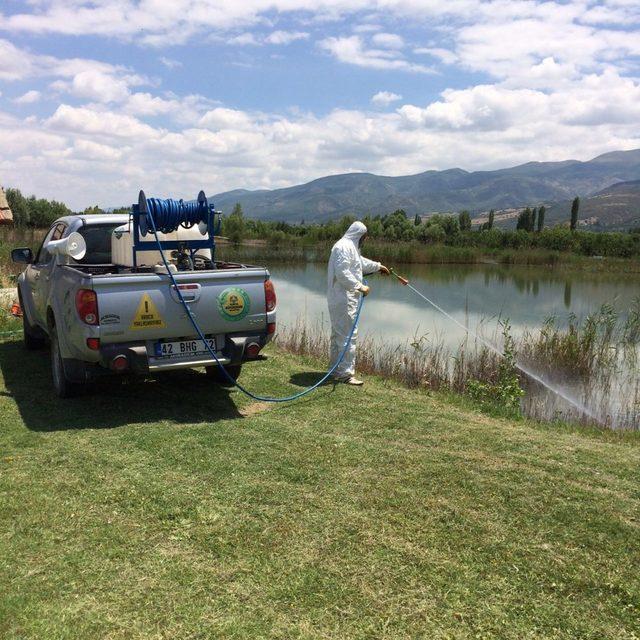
column 98, row 239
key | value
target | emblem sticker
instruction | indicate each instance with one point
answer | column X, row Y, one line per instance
column 233, row 303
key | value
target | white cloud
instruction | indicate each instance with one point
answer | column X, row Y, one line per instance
column 170, row 63
column 352, row 50
column 98, row 86
column 85, row 120
column 221, row 118
column 182, row 19
column 385, row 98
column 15, row 64
column 28, row 98
column 388, row 41
column 285, row 37
column 243, row 40
column 444, row 55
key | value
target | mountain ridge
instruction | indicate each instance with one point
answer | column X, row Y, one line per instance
column 431, row 191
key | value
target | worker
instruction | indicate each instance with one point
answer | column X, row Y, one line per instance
column 345, row 286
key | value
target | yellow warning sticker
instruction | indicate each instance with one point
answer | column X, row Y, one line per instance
column 147, row 316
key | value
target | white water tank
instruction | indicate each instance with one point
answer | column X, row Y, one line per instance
column 122, row 245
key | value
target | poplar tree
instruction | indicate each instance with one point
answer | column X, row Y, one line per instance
column 464, row 220
column 492, row 215
column 541, row 213
column 575, row 207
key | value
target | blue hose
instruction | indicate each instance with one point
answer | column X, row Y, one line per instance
column 167, row 215
column 167, row 218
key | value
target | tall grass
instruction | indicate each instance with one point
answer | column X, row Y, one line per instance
column 595, row 361
column 10, row 238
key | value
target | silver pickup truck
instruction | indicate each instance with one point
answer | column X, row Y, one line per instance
column 99, row 317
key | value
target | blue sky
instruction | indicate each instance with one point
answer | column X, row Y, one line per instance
column 99, row 99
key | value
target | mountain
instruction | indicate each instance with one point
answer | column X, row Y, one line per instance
column 358, row 194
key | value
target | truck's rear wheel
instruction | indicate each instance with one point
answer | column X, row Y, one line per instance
column 63, row 385
column 216, row 374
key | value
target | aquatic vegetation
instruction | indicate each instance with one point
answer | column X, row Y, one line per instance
column 594, row 362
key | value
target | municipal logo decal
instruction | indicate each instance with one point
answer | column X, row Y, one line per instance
column 233, row 303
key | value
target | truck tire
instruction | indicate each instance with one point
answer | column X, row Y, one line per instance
column 216, row 374
column 32, row 339
column 63, row 385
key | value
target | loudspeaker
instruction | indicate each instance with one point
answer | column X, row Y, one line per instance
column 73, row 246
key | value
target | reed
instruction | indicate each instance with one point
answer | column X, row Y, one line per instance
column 586, row 358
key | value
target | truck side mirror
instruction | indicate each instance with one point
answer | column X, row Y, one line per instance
column 24, row 254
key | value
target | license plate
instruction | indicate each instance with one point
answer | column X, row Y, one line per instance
column 184, row 348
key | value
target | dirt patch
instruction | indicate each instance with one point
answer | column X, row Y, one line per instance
column 254, row 409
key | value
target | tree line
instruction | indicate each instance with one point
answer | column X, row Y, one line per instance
column 444, row 229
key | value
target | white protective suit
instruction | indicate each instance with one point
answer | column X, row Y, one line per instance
column 344, row 279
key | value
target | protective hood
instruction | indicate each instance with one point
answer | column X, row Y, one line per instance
column 355, row 232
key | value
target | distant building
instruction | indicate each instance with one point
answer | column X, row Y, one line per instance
column 6, row 217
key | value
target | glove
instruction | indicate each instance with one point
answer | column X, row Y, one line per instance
column 383, row 270
column 364, row 289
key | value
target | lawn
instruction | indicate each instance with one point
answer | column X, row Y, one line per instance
column 176, row 509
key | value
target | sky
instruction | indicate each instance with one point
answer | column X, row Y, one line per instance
column 101, row 98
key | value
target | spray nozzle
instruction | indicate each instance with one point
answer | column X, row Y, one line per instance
column 403, row 281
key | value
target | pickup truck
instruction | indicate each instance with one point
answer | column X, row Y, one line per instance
column 99, row 317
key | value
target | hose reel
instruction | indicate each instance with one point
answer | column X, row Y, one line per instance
column 166, row 216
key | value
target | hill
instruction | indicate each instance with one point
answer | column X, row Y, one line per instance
column 431, row 191
column 616, row 208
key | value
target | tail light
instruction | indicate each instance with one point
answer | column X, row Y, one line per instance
column 269, row 295
column 93, row 344
column 271, row 327
column 87, row 306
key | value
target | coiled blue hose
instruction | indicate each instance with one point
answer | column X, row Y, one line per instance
column 167, row 215
column 229, row 377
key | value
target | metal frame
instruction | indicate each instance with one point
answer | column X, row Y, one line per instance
column 140, row 229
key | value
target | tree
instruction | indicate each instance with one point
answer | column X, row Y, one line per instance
column 431, row 233
column 575, row 207
column 524, row 220
column 235, row 225
column 464, row 219
column 534, row 213
column 93, row 210
column 19, row 208
column 417, row 221
column 492, row 215
column 541, row 213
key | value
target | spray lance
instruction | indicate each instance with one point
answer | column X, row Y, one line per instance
column 402, row 280
column 572, row 401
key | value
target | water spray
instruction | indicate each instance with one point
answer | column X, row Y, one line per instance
column 576, row 404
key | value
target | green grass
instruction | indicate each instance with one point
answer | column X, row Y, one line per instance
column 176, row 509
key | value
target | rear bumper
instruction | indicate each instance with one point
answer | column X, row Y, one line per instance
column 139, row 362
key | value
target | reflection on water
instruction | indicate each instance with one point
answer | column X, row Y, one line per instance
column 474, row 295
column 477, row 297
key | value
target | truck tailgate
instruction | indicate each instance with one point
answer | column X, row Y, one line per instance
column 137, row 307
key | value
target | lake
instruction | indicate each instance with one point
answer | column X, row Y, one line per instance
column 472, row 294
